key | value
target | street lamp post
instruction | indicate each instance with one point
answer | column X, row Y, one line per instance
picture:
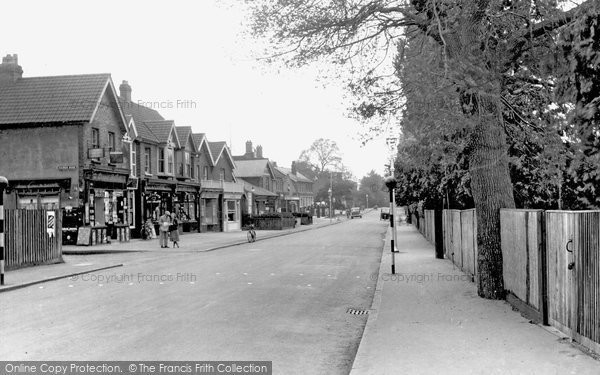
column 391, row 182
column 330, row 205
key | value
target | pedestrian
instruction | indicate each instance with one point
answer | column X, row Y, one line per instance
column 164, row 222
column 174, row 230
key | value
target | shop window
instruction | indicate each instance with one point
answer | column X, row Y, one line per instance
column 95, row 138
column 231, row 211
column 161, row 160
column 147, row 160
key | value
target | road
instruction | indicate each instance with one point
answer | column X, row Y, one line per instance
column 283, row 300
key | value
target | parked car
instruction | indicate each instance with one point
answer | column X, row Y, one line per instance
column 355, row 212
column 384, row 214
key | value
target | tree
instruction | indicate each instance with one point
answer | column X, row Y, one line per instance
column 322, row 155
column 373, row 186
column 481, row 44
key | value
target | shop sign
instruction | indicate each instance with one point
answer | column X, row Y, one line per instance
column 66, row 167
column 116, row 157
column 95, row 153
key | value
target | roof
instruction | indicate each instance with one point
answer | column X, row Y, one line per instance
column 216, row 148
column 299, row 177
column 139, row 112
column 70, row 98
column 162, row 130
column 183, row 133
column 145, row 133
column 257, row 189
column 252, row 168
column 198, row 138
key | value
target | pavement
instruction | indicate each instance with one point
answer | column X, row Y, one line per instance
column 427, row 319
column 190, row 242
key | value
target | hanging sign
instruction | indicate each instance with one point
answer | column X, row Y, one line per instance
column 51, row 223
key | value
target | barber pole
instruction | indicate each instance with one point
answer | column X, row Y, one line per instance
column 3, row 185
column 390, row 182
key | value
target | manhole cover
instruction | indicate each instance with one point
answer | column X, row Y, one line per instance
column 357, row 311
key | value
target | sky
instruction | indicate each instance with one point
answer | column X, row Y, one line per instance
column 191, row 61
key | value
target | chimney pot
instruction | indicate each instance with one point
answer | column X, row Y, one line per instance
column 125, row 91
column 10, row 70
column 259, row 153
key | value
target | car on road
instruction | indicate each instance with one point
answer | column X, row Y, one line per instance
column 384, row 214
column 355, row 212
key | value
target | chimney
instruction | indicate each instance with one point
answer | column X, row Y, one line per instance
column 125, row 91
column 294, row 168
column 249, row 151
column 259, row 152
column 10, row 70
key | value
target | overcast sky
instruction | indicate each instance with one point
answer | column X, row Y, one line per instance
column 190, row 61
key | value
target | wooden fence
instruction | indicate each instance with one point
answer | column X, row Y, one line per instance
column 573, row 272
column 27, row 241
column 551, row 263
column 460, row 239
column 521, row 239
column 427, row 225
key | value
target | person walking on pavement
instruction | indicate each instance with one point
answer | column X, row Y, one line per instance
column 164, row 222
column 174, row 230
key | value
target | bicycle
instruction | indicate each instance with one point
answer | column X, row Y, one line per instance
column 251, row 233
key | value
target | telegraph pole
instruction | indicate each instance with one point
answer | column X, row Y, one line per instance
column 391, row 182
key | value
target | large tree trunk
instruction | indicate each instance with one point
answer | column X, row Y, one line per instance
column 492, row 190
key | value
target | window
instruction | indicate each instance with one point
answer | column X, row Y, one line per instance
column 170, row 160
column 197, row 171
column 147, row 161
column 95, row 138
column 188, row 165
column 111, row 141
column 161, row 160
column 222, row 174
column 133, row 157
column 205, row 175
column 231, row 211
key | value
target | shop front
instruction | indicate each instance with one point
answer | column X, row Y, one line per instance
column 232, row 220
column 157, row 198
column 211, row 208
column 186, row 201
column 106, row 209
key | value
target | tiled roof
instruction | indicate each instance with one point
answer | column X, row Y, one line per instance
column 183, row 132
column 258, row 190
column 145, row 133
column 215, row 149
column 198, row 137
column 294, row 177
column 51, row 99
column 251, row 168
column 161, row 129
column 139, row 112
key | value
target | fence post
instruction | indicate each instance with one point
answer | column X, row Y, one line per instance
column 543, row 271
column 438, row 235
column 3, row 185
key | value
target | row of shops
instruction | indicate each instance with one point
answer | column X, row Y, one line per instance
column 112, row 201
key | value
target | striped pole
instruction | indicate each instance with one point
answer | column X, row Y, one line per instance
column 3, row 185
column 390, row 182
